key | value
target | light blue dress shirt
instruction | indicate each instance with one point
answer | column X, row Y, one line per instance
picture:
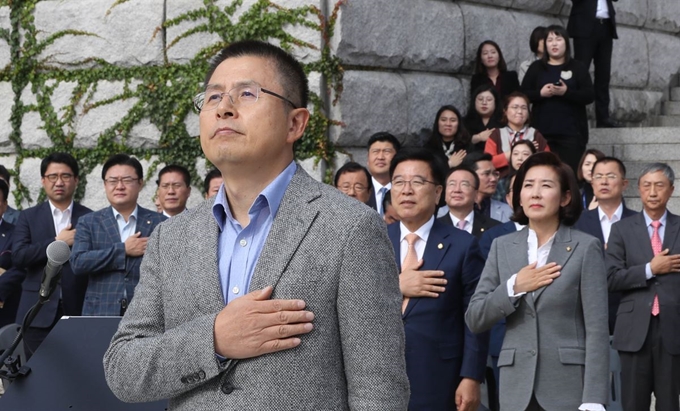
column 125, row 229
column 239, row 248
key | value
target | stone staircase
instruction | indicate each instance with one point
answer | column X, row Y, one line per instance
column 670, row 109
column 643, row 145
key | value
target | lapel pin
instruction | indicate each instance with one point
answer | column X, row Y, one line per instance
column 440, row 246
column 148, row 222
column 568, row 248
column 3, row 234
column 482, row 230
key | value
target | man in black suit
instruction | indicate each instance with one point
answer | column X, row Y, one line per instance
column 643, row 263
column 592, row 25
column 38, row 227
column 609, row 182
column 10, row 215
column 462, row 184
column 381, row 150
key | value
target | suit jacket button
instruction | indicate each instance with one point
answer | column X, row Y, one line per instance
column 184, row 380
column 227, row 388
column 533, row 352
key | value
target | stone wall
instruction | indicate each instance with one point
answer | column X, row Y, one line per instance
column 402, row 60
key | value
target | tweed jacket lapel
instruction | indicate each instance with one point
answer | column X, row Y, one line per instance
column 203, row 259
column 290, row 226
column 562, row 249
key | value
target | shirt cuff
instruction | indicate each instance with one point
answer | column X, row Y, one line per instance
column 589, row 406
column 511, row 287
column 648, row 271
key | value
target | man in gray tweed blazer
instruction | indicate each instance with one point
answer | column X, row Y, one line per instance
column 280, row 292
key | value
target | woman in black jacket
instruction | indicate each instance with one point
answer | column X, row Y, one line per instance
column 560, row 88
column 483, row 115
column 449, row 140
column 490, row 69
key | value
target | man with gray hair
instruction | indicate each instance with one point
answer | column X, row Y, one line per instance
column 643, row 263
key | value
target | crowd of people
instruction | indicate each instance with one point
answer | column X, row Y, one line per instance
column 501, row 241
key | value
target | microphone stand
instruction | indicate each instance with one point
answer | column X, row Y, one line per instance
column 10, row 365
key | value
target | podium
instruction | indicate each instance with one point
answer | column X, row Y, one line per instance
column 67, row 371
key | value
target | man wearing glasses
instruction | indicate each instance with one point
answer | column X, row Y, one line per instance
column 36, row 228
column 482, row 164
column 109, row 243
column 440, row 267
column 354, row 180
column 609, row 182
column 280, row 292
column 174, row 189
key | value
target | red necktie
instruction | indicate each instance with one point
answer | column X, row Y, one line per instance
column 410, row 261
column 656, row 247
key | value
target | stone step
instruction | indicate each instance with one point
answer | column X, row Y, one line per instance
column 675, row 93
column 670, row 108
column 666, row 121
column 635, row 135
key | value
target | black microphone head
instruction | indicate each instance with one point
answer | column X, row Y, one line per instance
column 58, row 252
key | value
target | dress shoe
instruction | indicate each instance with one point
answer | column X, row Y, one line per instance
column 608, row 123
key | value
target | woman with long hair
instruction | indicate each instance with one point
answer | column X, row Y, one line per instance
column 549, row 282
column 520, row 151
column 449, row 140
column 560, row 88
column 584, row 176
column 483, row 115
column 490, row 69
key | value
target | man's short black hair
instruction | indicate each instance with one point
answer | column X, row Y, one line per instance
column 175, row 168
column 464, row 167
column 123, row 160
column 291, row 74
column 473, row 158
column 59, row 158
column 384, row 137
column 569, row 214
column 421, row 154
column 4, row 174
column 607, row 159
column 4, row 188
column 212, row 174
column 353, row 167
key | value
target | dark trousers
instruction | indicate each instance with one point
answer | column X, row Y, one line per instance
column 568, row 148
column 533, row 405
column 598, row 49
column 33, row 336
column 652, row 369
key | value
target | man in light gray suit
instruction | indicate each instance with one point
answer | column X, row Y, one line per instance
column 281, row 292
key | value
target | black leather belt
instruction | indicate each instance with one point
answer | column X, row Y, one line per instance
column 603, row 21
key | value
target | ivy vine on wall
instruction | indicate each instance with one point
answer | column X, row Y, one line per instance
column 161, row 93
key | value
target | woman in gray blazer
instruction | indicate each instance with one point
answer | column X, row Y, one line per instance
column 549, row 282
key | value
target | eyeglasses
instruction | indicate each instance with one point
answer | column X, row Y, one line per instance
column 175, row 186
column 127, row 181
column 416, row 183
column 610, row 176
column 464, row 185
column 518, row 108
column 238, row 96
column 358, row 188
column 52, row 178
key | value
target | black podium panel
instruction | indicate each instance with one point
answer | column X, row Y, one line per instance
column 67, row 371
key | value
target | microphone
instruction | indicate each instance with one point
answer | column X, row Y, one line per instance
column 58, row 253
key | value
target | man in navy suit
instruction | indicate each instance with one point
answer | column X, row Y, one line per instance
column 440, row 266
column 609, row 182
column 36, row 228
column 10, row 276
column 110, row 243
column 382, row 147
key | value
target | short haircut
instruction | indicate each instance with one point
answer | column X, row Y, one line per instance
column 4, row 174
column 654, row 167
column 561, row 32
column 506, row 104
column 353, row 167
column 537, row 35
column 421, row 154
column 212, row 174
column 387, row 199
column 605, row 160
column 384, row 137
column 59, row 158
column 123, row 160
column 461, row 138
column 473, row 158
column 175, row 168
column 472, row 117
column 569, row 214
column 290, row 72
column 479, row 67
column 598, row 155
column 4, row 188
column 465, row 167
